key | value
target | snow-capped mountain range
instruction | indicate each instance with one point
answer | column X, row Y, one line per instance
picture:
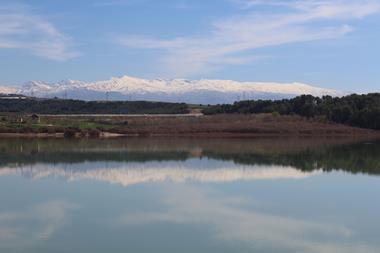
column 167, row 90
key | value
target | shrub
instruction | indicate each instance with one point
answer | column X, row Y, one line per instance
column 70, row 132
column 94, row 133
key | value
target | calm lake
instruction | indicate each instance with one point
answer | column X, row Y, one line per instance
column 189, row 195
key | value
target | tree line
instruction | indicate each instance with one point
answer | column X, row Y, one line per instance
column 67, row 106
column 354, row 110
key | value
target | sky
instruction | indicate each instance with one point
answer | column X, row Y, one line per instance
column 332, row 44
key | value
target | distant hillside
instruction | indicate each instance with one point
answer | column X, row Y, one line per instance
column 168, row 90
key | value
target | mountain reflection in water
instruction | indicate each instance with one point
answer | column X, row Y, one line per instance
column 189, row 195
column 132, row 161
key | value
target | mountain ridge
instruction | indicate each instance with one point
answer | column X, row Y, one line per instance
column 203, row 91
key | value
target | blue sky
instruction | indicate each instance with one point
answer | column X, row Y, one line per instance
column 334, row 44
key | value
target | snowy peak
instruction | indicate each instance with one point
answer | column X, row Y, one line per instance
column 202, row 91
column 8, row 90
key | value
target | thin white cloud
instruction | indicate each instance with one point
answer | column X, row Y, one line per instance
column 330, row 7
column 229, row 38
column 21, row 29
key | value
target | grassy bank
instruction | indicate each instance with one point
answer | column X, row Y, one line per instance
column 207, row 126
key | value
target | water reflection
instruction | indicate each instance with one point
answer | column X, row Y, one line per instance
column 189, row 195
column 231, row 222
column 21, row 228
column 187, row 158
column 134, row 173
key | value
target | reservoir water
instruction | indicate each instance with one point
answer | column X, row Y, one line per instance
column 189, row 195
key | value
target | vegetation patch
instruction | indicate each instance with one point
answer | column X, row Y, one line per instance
column 354, row 110
column 68, row 106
